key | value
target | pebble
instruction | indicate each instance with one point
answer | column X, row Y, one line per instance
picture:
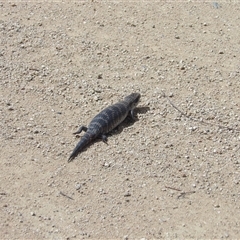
column 107, row 164
column 226, row 235
column 96, row 98
column 33, row 214
column 216, row 5
column 127, row 194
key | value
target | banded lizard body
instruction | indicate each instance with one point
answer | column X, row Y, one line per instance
column 105, row 121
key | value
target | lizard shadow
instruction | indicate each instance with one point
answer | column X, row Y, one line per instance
column 128, row 121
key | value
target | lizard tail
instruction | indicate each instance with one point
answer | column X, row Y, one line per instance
column 82, row 143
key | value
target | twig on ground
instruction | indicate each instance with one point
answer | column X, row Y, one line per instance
column 182, row 194
column 197, row 120
column 63, row 194
column 173, row 188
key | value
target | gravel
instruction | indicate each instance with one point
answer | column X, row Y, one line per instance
column 174, row 173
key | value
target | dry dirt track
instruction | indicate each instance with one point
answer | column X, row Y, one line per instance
column 165, row 176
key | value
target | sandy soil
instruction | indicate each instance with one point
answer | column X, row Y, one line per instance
column 168, row 175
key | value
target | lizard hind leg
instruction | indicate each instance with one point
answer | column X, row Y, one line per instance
column 82, row 128
column 103, row 137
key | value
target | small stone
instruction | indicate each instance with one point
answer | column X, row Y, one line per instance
column 99, row 76
column 107, row 164
column 216, row 5
column 226, row 235
column 182, row 68
column 33, row 214
column 127, row 194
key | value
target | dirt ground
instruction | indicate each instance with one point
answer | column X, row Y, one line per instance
column 167, row 175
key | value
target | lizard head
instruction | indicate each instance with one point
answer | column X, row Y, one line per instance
column 133, row 99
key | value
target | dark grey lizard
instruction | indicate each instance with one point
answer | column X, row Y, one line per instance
column 105, row 121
